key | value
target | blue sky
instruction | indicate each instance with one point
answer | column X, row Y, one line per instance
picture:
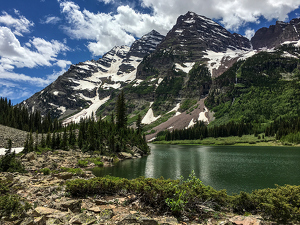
column 40, row 39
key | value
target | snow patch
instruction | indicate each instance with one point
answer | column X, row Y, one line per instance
column 175, row 109
column 160, row 80
column 62, row 109
column 86, row 113
column 55, row 93
column 215, row 58
column 186, row 68
column 149, row 117
column 16, row 150
column 202, row 116
column 191, row 124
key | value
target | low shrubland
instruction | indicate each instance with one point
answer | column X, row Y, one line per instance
column 192, row 198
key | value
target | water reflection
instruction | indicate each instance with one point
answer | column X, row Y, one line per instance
column 223, row 167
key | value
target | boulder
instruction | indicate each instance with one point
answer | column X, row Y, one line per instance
column 41, row 211
column 64, row 175
column 31, row 156
column 83, row 218
column 246, row 220
column 125, row 155
column 106, row 214
column 137, row 219
column 73, row 205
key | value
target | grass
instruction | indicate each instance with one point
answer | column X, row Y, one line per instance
column 246, row 140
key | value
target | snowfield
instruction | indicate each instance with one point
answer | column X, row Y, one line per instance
column 16, row 150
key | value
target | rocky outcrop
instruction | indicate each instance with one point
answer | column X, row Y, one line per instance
column 276, row 34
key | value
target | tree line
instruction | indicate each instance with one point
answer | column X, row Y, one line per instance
column 104, row 136
column 18, row 117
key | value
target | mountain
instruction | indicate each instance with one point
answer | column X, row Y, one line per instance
column 276, row 34
column 78, row 90
column 175, row 81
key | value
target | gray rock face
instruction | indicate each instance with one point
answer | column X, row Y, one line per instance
column 92, row 80
column 195, row 33
column 276, row 34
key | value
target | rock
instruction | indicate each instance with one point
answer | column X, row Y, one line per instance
column 41, row 211
column 246, row 220
column 168, row 221
column 73, row 205
column 106, row 214
column 28, row 221
column 125, row 155
column 31, row 156
column 100, row 202
column 64, row 175
column 83, row 219
column 40, row 220
column 136, row 150
column 9, row 177
column 136, row 219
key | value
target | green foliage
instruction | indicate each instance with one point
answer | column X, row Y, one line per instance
column 45, row 171
column 9, row 162
column 187, row 104
column 256, row 90
column 19, row 117
column 82, row 163
column 177, row 204
column 76, row 171
column 291, row 138
column 281, row 204
column 11, row 205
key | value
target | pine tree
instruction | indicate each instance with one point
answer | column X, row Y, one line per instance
column 139, row 124
column 121, row 118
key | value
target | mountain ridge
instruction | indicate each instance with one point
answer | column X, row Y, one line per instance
column 157, row 74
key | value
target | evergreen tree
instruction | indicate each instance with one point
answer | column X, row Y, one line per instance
column 139, row 124
column 121, row 117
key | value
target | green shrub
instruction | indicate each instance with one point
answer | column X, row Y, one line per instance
column 12, row 206
column 45, row 171
column 76, row 171
column 82, row 163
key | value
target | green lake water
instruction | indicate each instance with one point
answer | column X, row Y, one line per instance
column 233, row 168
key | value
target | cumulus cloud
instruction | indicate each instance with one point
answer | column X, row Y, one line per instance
column 233, row 14
column 249, row 33
column 36, row 52
column 104, row 31
column 17, row 25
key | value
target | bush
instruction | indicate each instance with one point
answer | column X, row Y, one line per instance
column 45, row 171
column 82, row 163
column 281, row 204
column 12, row 206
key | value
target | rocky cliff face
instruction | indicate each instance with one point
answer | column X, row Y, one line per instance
column 276, row 34
column 90, row 83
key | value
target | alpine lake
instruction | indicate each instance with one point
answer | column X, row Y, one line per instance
column 234, row 168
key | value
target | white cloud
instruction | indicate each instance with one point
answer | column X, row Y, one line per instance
column 249, row 33
column 233, row 14
column 104, row 31
column 17, row 25
column 107, row 1
column 50, row 20
column 37, row 52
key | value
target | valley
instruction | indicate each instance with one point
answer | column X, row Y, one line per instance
column 199, row 87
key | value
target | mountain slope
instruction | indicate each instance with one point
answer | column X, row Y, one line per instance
column 87, row 85
column 166, row 79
